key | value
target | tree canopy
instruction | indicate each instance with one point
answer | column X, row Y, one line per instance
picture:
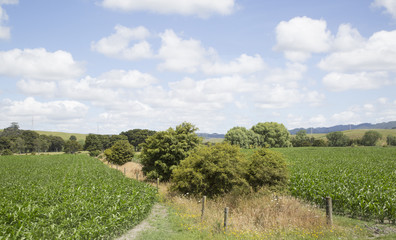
column 272, row 134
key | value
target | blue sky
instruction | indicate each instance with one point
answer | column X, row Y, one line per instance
column 106, row 66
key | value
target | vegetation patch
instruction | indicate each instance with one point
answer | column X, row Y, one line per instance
column 68, row 197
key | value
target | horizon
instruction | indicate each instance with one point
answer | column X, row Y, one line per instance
column 101, row 66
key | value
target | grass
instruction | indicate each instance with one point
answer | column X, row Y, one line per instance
column 65, row 136
column 68, row 197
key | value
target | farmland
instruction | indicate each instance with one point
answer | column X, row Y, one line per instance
column 68, row 197
column 359, row 180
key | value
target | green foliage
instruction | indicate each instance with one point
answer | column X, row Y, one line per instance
column 370, row 138
column 391, row 140
column 319, row 143
column 272, row 134
column 68, row 197
column 242, row 137
column 301, row 139
column 93, row 142
column 211, row 171
column 337, row 139
column 361, row 181
column 94, row 153
column 72, row 146
column 137, row 136
column 121, row 152
column 267, row 168
column 164, row 150
column 6, row 152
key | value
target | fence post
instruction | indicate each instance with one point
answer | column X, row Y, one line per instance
column 124, row 172
column 329, row 211
column 137, row 176
column 203, row 207
column 157, row 184
column 225, row 218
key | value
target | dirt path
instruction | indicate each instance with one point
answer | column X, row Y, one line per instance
column 158, row 212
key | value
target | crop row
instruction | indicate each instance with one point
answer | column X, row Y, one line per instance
column 68, row 197
column 361, row 181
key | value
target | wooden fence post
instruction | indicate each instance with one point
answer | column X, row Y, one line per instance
column 124, row 172
column 137, row 176
column 157, row 184
column 329, row 211
column 225, row 218
column 203, row 207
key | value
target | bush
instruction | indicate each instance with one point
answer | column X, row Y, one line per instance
column 211, row 171
column 164, row 150
column 391, row 140
column 120, row 153
column 6, row 152
column 337, row 139
column 94, row 153
column 267, row 168
column 370, row 138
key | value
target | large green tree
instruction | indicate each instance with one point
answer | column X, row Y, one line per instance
column 242, row 137
column 137, row 136
column 272, row 134
column 121, row 152
column 337, row 139
column 301, row 139
column 164, row 150
column 370, row 138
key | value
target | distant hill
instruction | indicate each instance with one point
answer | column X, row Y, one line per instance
column 384, row 125
column 210, row 135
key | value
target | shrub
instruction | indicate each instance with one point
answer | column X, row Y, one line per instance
column 211, row 171
column 164, row 150
column 391, row 140
column 121, row 152
column 337, row 139
column 94, row 153
column 370, row 138
column 6, row 152
column 267, row 168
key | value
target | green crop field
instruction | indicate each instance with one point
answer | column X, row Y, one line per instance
column 361, row 181
column 68, row 197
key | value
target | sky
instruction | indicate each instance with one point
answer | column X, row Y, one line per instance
column 107, row 66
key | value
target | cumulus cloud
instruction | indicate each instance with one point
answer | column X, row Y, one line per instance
column 389, row 5
column 5, row 32
column 37, row 88
column 378, row 53
column 189, row 55
column 125, row 79
column 201, row 8
column 243, row 64
column 301, row 36
column 361, row 80
column 39, row 64
column 50, row 110
column 119, row 45
column 348, row 38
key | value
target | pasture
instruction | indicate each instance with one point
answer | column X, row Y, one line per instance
column 68, row 197
column 361, row 180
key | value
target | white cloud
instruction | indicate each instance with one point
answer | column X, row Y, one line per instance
column 348, row 38
column 118, row 45
column 39, row 64
column 201, row 8
column 243, row 64
column 5, row 32
column 126, row 79
column 55, row 110
column 277, row 96
column 378, row 53
column 389, row 5
column 345, row 117
column 37, row 88
column 301, row 36
column 361, row 80
column 181, row 55
column 188, row 55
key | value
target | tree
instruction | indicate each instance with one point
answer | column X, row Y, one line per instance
column 121, row 152
column 337, row 139
column 391, row 140
column 72, row 146
column 370, row 138
column 5, row 143
column 242, row 137
column 18, row 145
column 11, row 131
column 164, row 150
column 301, row 139
column 73, row 138
column 29, row 137
column 137, row 136
column 93, row 142
column 272, row 134
column 115, row 138
column 56, row 144
column 267, row 168
column 211, row 171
